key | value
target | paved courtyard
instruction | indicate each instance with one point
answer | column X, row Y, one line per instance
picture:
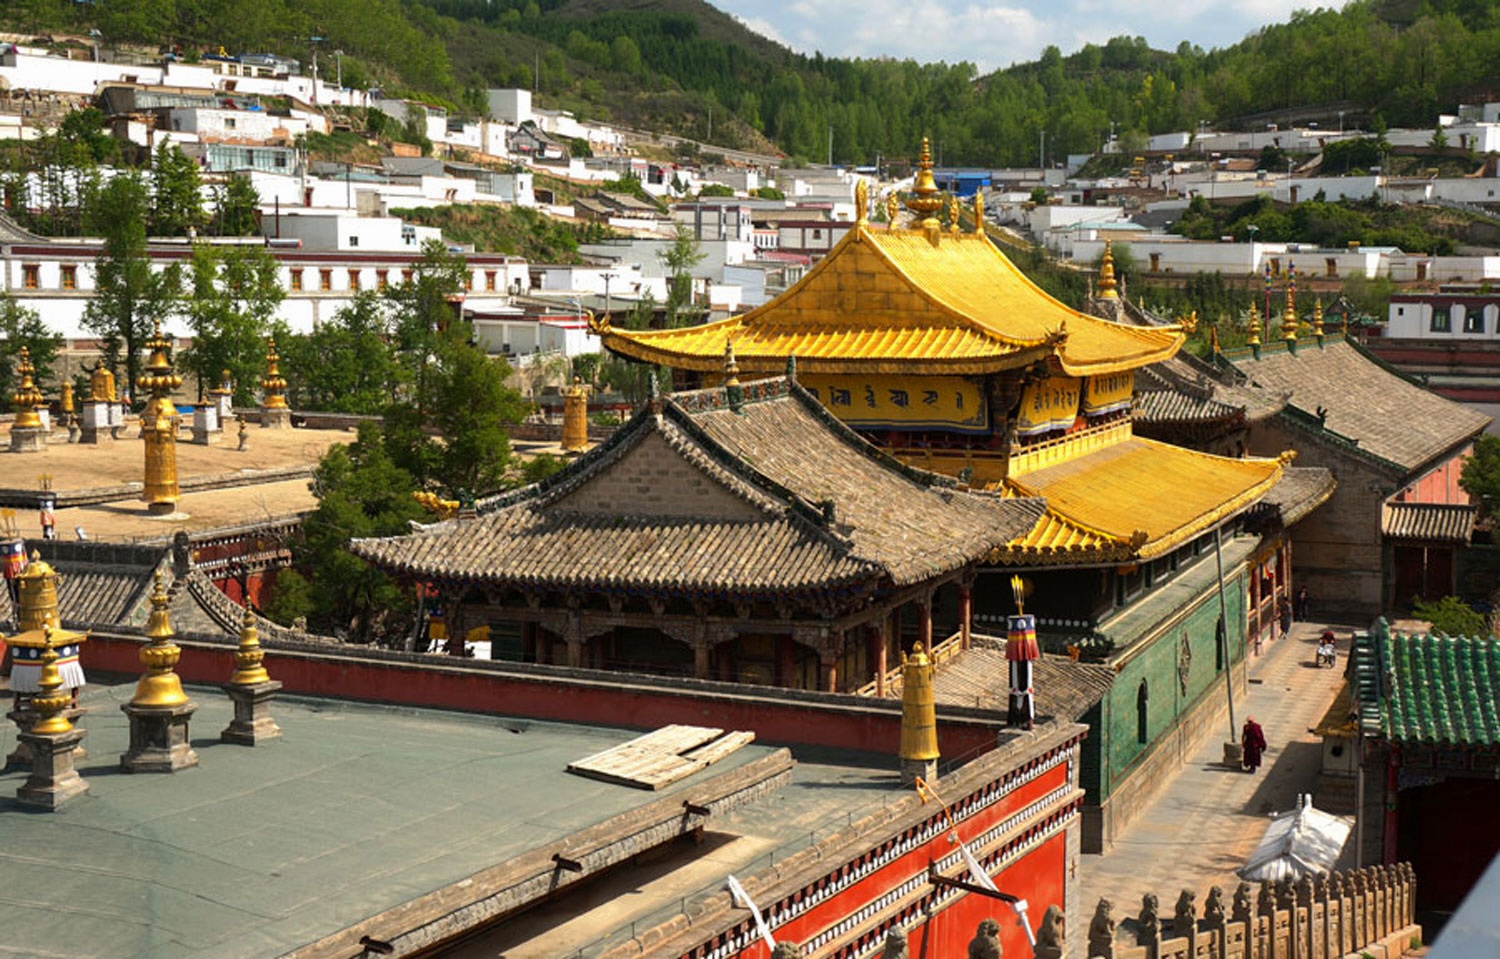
column 1206, row 822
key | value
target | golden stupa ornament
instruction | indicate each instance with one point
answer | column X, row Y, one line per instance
column 1317, row 326
column 575, row 438
column 37, row 590
column 892, row 209
column 1108, row 287
column 273, row 383
column 27, row 397
column 248, row 657
column 160, row 687
column 159, row 426
column 861, row 201
column 926, row 199
column 51, row 700
column 979, row 212
column 1252, row 326
column 1289, row 316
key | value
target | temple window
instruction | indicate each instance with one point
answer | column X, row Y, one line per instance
column 69, row 277
column 354, row 279
column 325, row 280
column 489, row 280
column 296, row 276
column 382, row 279
column 1441, row 322
column 31, row 276
column 1474, row 319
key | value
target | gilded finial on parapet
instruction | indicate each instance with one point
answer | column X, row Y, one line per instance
column 1252, row 327
column 1317, row 324
column 51, row 700
column 861, row 201
column 248, row 658
column 892, row 209
column 1289, row 315
column 1108, row 288
column 979, row 212
column 160, row 686
column 1213, row 339
column 734, row 394
column 159, row 425
column 953, row 210
column 272, row 383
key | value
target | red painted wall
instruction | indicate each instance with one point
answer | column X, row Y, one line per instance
column 1440, row 485
column 598, row 702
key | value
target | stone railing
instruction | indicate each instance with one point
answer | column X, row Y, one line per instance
column 1370, row 910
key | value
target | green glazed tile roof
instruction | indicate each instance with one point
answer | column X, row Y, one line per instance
column 1433, row 690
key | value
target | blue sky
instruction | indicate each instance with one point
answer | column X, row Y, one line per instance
column 994, row 35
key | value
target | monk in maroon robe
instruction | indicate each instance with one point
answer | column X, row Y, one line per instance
column 1253, row 742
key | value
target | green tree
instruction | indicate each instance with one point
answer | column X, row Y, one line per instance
column 679, row 258
column 236, row 207
column 1480, row 477
column 22, row 327
column 177, row 195
column 1451, row 616
column 129, row 295
column 346, row 364
column 361, row 493
column 235, row 293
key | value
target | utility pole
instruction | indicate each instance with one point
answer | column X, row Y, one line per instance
column 1041, row 153
column 710, row 135
column 830, row 144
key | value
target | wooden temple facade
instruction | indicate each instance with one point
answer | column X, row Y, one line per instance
column 740, row 534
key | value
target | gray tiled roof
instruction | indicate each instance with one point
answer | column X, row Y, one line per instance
column 1445, row 522
column 1362, row 401
column 1300, row 490
column 776, row 461
column 1171, row 406
column 979, row 677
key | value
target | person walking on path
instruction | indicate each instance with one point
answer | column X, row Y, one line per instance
column 1302, row 604
column 1253, row 742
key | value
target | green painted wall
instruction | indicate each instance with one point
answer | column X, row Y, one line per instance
column 1154, row 656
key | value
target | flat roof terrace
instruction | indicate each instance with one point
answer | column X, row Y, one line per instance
column 382, row 820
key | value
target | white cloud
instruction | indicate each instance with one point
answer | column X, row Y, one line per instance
column 995, row 36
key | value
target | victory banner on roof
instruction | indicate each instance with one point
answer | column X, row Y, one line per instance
column 878, row 401
column 1047, row 405
column 1108, row 393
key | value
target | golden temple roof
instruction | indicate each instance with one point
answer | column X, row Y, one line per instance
column 906, row 301
column 1135, row 499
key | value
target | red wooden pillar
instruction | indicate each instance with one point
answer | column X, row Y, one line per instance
column 965, row 613
column 1255, row 606
column 924, row 634
column 876, row 641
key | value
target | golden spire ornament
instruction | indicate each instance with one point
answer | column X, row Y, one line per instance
column 27, row 397
column 274, row 413
column 925, row 201
column 159, row 426
column 52, row 740
column 159, row 711
column 51, row 700
column 1108, row 288
column 1289, row 316
column 919, row 742
column 1252, row 327
column 1317, row 326
column 250, row 689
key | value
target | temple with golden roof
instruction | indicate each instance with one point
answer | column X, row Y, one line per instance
column 926, row 339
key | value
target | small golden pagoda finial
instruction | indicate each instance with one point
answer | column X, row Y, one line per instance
column 160, row 687
column 37, row 589
column 861, row 201
column 731, row 366
column 27, row 397
column 51, row 700
column 1108, row 288
column 892, row 209
column 925, row 201
column 919, row 743
column 159, row 425
column 248, row 657
column 953, row 211
column 979, row 212
column 1289, row 315
column 272, row 383
column 1252, row 325
column 1318, row 318
column 1344, row 322
column 1213, row 339
column 67, row 405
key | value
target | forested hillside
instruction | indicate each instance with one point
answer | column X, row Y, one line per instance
column 684, row 67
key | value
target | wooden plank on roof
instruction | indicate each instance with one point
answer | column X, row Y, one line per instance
column 661, row 757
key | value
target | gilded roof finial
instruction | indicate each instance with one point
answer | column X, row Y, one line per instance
column 1318, row 318
column 733, row 392
column 51, row 700
column 1213, row 339
column 1252, row 325
column 979, row 212
column 892, row 209
column 861, row 201
column 273, row 385
column 925, row 201
column 160, row 686
column 953, row 210
column 248, row 657
column 27, row 397
column 1289, row 316
column 1108, row 288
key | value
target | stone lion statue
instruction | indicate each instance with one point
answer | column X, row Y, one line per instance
column 986, row 941
column 786, row 950
column 1050, row 939
column 895, row 944
column 1102, row 929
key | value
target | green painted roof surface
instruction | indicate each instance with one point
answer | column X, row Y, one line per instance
column 1431, row 690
